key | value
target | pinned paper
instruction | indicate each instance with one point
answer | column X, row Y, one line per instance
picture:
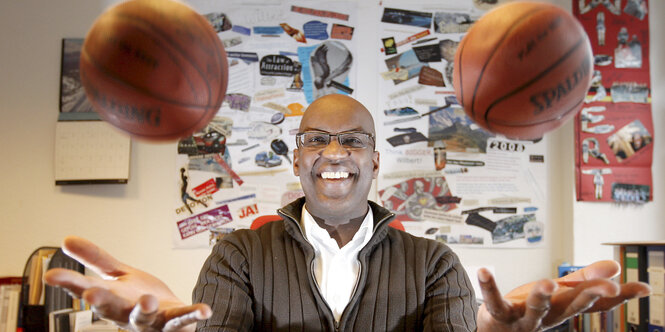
column 430, row 76
column 268, row 94
column 407, row 17
column 231, row 42
column 407, row 61
column 389, row 46
column 242, row 30
column 428, row 53
column 395, row 74
column 295, row 109
column 320, row 13
column 316, row 30
column 247, row 57
column 238, row 101
column 219, row 21
column 278, row 65
column 204, row 221
column 293, row 32
column 276, row 30
column 340, row 31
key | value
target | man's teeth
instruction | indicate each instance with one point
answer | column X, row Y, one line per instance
column 335, row 175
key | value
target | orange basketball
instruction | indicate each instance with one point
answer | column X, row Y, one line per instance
column 154, row 68
column 523, row 69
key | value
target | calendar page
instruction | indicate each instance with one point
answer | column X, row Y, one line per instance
column 90, row 152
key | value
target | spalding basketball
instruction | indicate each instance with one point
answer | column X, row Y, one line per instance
column 156, row 69
column 523, row 69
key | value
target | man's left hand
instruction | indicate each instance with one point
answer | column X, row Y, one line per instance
column 546, row 303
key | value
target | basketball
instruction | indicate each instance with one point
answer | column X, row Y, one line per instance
column 523, row 69
column 155, row 69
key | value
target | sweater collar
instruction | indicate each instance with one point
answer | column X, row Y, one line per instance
column 292, row 213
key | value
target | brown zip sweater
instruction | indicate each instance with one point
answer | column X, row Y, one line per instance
column 262, row 280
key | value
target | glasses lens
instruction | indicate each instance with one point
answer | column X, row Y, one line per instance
column 315, row 140
column 354, row 140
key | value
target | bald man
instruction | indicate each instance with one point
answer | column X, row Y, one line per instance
column 333, row 264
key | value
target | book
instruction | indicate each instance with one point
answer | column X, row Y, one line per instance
column 12, row 309
column 5, row 294
column 637, row 310
column 656, row 273
column 58, row 321
column 79, row 319
column 36, row 273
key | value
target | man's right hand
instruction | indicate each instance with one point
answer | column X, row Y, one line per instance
column 133, row 299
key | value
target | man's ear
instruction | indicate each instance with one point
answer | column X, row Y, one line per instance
column 296, row 170
column 375, row 161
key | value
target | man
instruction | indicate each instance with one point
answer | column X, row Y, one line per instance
column 287, row 275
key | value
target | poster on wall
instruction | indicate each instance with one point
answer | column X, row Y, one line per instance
column 614, row 131
column 442, row 175
column 281, row 58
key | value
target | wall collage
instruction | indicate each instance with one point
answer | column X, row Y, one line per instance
column 443, row 176
column 614, row 130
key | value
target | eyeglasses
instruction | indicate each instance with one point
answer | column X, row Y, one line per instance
column 350, row 140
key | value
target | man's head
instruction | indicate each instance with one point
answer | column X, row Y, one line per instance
column 335, row 178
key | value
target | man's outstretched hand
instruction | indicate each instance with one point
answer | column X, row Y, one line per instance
column 134, row 299
column 546, row 303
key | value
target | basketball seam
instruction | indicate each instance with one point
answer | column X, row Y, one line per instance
column 574, row 108
column 459, row 71
column 175, row 46
column 528, row 83
column 494, row 51
column 120, row 82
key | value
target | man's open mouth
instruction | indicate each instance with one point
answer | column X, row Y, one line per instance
column 335, row 175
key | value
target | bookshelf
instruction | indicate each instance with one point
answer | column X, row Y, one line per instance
column 642, row 261
column 36, row 299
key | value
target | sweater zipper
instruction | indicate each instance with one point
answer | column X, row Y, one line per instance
column 311, row 269
column 360, row 272
column 311, row 272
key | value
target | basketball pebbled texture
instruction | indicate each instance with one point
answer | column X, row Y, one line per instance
column 523, row 69
column 156, row 69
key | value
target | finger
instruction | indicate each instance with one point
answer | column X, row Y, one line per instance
column 599, row 270
column 587, row 295
column 184, row 316
column 494, row 302
column 92, row 256
column 628, row 291
column 144, row 314
column 72, row 281
column 108, row 305
column 537, row 304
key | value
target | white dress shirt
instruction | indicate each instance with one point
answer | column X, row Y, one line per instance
column 336, row 269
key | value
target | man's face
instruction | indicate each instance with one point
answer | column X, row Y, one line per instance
column 336, row 180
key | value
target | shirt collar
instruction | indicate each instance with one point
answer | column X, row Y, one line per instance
column 318, row 236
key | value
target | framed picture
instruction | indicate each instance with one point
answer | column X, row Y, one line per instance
column 72, row 94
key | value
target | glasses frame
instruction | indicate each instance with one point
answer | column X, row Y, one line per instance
column 301, row 145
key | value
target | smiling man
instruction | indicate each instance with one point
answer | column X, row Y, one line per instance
column 333, row 263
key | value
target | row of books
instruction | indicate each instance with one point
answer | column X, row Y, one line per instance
column 640, row 261
column 10, row 292
column 38, row 265
column 69, row 320
column 37, row 299
column 643, row 261
column 607, row 321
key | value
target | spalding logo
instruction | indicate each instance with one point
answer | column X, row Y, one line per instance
column 545, row 100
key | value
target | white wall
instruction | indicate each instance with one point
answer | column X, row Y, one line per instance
column 132, row 221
